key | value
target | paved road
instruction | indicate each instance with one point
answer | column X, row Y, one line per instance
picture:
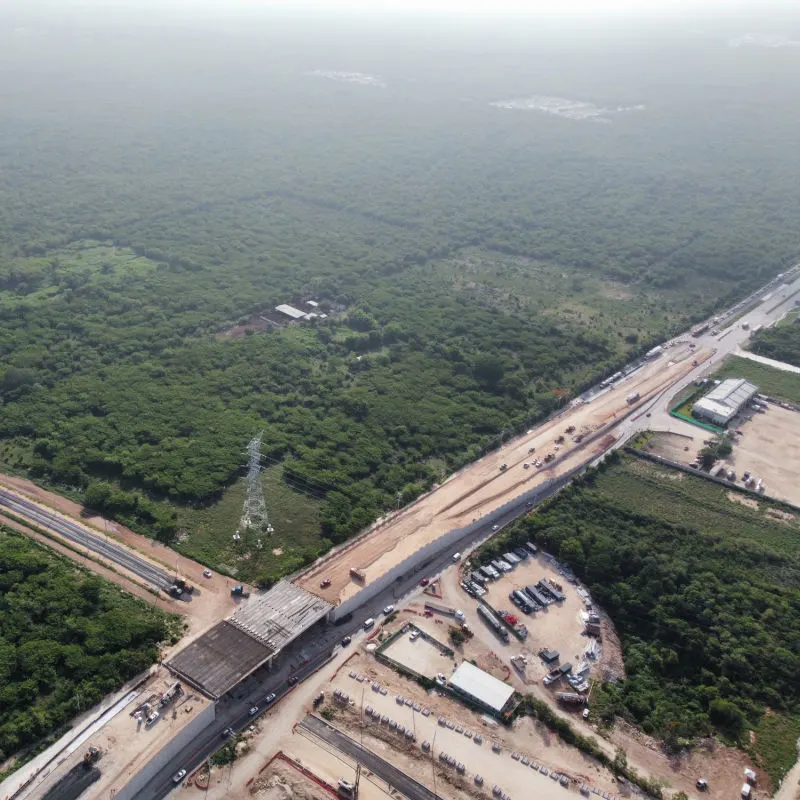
column 655, row 415
column 305, row 655
column 82, row 536
column 302, row 659
column 383, row 769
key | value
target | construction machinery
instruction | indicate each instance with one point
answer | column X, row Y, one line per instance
column 91, row 756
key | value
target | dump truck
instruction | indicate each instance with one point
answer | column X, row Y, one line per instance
column 358, row 573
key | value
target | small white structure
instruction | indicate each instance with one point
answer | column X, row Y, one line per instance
column 725, row 401
column 749, row 775
column 746, row 790
column 480, row 687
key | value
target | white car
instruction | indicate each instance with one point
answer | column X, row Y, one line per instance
column 253, row 711
column 207, row 573
column 179, row 776
column 495, row 527
column 388, row 610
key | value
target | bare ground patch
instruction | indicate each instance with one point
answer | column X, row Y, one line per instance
column 742, row 499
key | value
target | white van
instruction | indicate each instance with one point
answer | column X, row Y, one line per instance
column 368, row 623
column 456, row 556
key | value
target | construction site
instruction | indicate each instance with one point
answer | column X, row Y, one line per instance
column 584, row 431
column 370, row 729
column 148, row 723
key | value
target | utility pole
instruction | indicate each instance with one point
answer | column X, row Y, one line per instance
column 254, row 513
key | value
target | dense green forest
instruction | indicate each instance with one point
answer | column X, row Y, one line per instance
column 481, row 262
column 67, row 639
column 781, row 342
column 704, row 593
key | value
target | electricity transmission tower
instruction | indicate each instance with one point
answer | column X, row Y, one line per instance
column 254, row 513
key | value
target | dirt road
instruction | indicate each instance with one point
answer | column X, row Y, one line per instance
column 211, row 600
column 483, row 487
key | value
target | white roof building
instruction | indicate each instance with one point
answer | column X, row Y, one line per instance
column 290, row 311
column 725, row 401
column 481, row 687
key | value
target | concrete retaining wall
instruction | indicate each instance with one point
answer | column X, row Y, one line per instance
column 170, row 750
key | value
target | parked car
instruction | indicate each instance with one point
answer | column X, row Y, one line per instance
column 424, row 581
column 388, row 610
column 227, row 733
column 346, row 641
column 207, row 573
column 325, row 583
column 179, row 776
column 495, row 527
column 253, row 711
column 293, row 680
column 270, row 698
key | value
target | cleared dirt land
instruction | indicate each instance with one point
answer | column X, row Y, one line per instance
column 284, row 777
column 768, row 449
column 421, row 655
column 682, row 448
column 482, row 487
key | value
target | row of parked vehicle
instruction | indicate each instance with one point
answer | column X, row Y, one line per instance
column 531, row 598
column 499, row 566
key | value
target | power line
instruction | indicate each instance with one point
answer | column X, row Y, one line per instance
column 254, row 513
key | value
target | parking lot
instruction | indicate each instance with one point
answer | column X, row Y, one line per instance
column 767, row 448
column 559, row 626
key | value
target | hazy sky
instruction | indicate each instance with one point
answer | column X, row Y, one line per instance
column 589, row 8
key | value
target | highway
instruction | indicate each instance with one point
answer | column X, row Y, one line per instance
column 83, row 537
column 307, row 654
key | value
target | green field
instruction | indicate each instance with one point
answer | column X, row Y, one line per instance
column 770, row 381
column 775, row 745
column 780, row 342
column 206, row 533
column 704, row 592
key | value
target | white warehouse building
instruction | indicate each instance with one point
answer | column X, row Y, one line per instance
column 725, row 401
